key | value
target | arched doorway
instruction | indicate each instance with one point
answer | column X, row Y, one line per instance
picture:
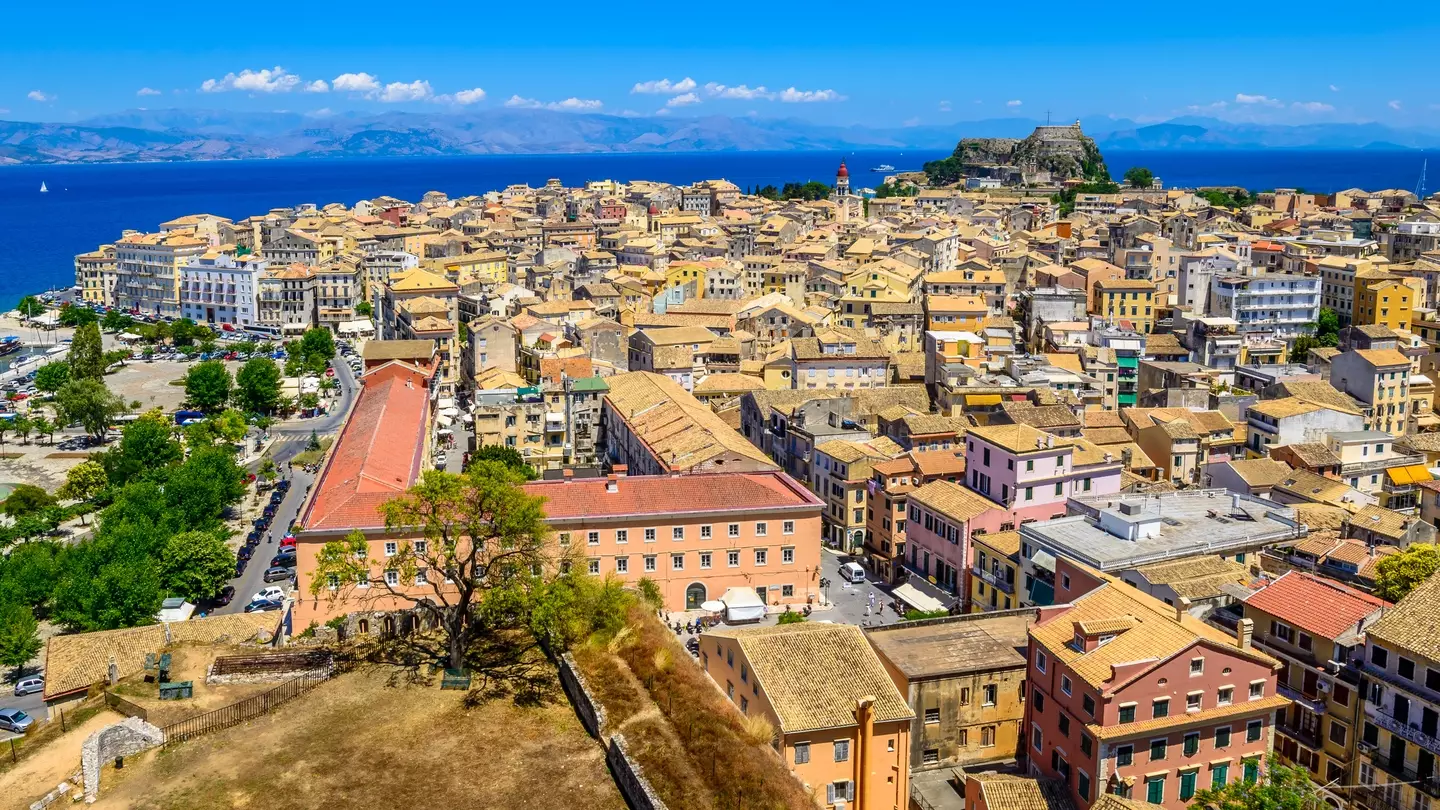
column 694, row 596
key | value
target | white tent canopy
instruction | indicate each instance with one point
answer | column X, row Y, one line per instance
column 360, row 327
column 912, row 596
column 743, row 605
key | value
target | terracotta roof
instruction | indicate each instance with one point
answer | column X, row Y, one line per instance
column 952, row 500
column 584, row 498
column 1008, row 792
column 576, row 368
column 381, row 350
column 1261, row 472
column 1018, row 438
column 378, row 454
column 1314, row 454
column 1189, row 719
column 970, row 643
column 1381, row 521
column 1007, row 543
column 814, row 673
column 1410, row 626
column 1297, row 598
column 677, row 428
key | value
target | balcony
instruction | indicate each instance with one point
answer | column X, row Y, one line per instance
column 1380, row 464
column 1314, row 702
column 1308, row 738
column 998, row 582
column 1407, row 729
column 1430, row 783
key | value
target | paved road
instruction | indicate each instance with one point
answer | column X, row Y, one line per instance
column 32, row 704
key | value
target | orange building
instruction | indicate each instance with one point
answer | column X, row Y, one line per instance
column 843, row 727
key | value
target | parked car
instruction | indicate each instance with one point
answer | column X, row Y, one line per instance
column 283, row 560
column 271, row 592
column 288, row 541
column 227, row 595
column 26, row 686
column 245, row 553
column 852, row 572
column 239, row 567
column 262, row 605
column 15, row 720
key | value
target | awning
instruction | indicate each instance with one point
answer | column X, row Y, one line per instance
column 743, row 605
column 912, row 597
column 982, row 399
column 1413, row 474
column 1044, row 560
column 1042, row 593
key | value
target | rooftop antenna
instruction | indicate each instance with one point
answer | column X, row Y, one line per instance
column 1420, row 187
column 1047, row 118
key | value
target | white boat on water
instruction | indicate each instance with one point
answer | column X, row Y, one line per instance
column 43, row 189
column 883, row 167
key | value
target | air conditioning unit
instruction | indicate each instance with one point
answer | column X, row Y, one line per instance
column 1323, row 686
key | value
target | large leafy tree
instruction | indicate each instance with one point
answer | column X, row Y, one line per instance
column 116, row 321
column 196, row 564
column 508, row 456
column 29, row 307
column 26, row 499
column 226, row 426
column 87, row 355
column 1279, row 788
column 200, row 489
column 207, row 386
column 146, row 450
column 71, row 315
column 28, row 573
column 472, row 553
column 103, row 592
column 1398, row 574
column 19, row 635
column 1139, row 177
column 90, row 403
column 84, row 481
column 257, row 385
column 184, row 332
column 52, row 376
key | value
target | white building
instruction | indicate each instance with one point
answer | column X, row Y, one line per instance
column 220, row 289
column 1282, row 305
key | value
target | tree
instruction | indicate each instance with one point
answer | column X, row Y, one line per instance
column 19, row 635
column 207, row 386
column 314, row 444
column 257, row 385
column 1398, row 574
column 29, row 572
column 183, row 332
column 508, row 456
column 1280, row 788
column 196, row 565
column 87, row 356
column 43, row 427
column 790, row 617
column 227, row 426
column 1300, row 349
column 146, row 451
column 1327, row 327
column 315, row 349
column 484, row 540
column 363, row 309
column 26, row 499
column 1139, row 177
column 29, row 307
column 197, row 492
column 99, row 593
column 22, row 425
column 83, row 482
column 71, row 315
column 90, row 403
column 51, row 376
column 116, row 321
column 309, row 401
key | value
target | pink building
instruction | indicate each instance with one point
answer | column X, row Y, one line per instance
column 1130, row 696
column 941, row 517
column 1031, row 473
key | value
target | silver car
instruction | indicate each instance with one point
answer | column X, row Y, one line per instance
column 15, row 720
column 29, row 685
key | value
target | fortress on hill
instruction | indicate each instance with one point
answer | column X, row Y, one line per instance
column 1051, row 154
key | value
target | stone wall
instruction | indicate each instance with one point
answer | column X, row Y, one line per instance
column 628, row 777
column 591, row 713
column 126, row 738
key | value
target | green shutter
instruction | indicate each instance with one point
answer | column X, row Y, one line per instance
column 1252, row 771
column 1219, row 775
column 1187, row 785
column 1155, row 790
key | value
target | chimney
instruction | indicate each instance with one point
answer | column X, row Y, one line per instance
column 612, row 483
column 619, row 470
column 1049, row 440
column 865, row 722
column 1181, row 608
column 568, row 474
column 1244, row 632
column 1235, row 501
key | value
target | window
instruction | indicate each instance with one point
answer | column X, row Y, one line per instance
column 422, row 546
column 932, row 715
column 761, row 529
column 1252, row 730
column 622, row 535
column 1155, row 789
column 649, row 562
column 392, row 577
column 649, row 535
column 787, row 591
column 761, row 556
column 1225, row 695
column 1040, row 660
column 1379, row 656
column 1338, row 732
column 733, row 530
column 1065, row 685
column 594, row 567
column 1127, row 713
column 1082, row 784
column 677, row 562
column 1406, row 668
column 1037, row 739
column 1222, row 737
column 842, row 750
column 987, row 736
column 1065, row 725
column 787, row 527
column 593, row 538
column 622, row 565
column 1219, row 775
column 1197, row 666
column 839, row 791
column 564, row 539
column 787, row 555
column 1257, row 690
column 1191, row 744
column 989, row 692
column 1088, row 704
column 744, row 703
column 1124, row 755
column 1160, row 708
column 930, row 756
column 1157, row 750
column 677, row 533
column 1192, row 701
column 1252, row 770
column 1187, row 784
column 704, row 559
column 802, row 753
column 732, row 559
column 704, row 532
column 1038, row 700
column 391, row 548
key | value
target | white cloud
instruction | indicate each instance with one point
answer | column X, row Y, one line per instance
column 944, row 106
column 1394, row 105
column 39, row 95
column 1313, row 106
column 395, row 92
column 1014, row 102
column 1214, row 106
column 791, row 95
column 1247, row 98
column 317, row 86
column 739, row 91
column 1334, row 89
column 664, row 86
column 571, row 104
column 147, row 91
column 356, row 83
column 681, row 101
column 268, row 80
column 470, row 96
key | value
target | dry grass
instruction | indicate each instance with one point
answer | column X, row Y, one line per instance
column 362, row 741
column 189, row 662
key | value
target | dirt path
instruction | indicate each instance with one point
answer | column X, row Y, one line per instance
column 39, row 773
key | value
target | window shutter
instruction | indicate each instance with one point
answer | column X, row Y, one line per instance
column 849, row 791
column 830, row 793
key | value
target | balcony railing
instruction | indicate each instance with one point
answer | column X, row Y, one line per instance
column 998, row 582
column 1408, row 729
column 1430, row 783
column 1375, row 465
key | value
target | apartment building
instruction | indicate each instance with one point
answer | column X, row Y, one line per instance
column 843, row 726
column 221, row 290
column 1126, row 302
column 1383, row 300
column 1031, row 473
column 941, row 518
column 1380, row 380
column 1284, row 306
column 841, row 472
column 831, row 359
column 95, row 275
column 1132, row 697
column 148, row 268
column 964, row 679
column 653, row 426
column 286, row 305
column 890, row 485
column 995, row 575
column 339, row 288
column 1399, row 735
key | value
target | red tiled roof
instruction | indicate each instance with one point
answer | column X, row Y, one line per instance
column 576, row 368
column 1321, row 607
column 378, row 453
column 578, row 499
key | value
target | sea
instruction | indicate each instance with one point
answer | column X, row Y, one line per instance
column 88, row 205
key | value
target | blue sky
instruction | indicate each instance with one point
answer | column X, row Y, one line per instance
column 841, row 62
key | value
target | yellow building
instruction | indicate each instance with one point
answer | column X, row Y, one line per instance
column 1129, row 300
column 1387, row 301
column 997, row 569
column 955, row 313
column 841, row 472
column 95, row 275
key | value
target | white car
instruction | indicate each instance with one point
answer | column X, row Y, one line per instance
column 274, row 592
column 852, row 572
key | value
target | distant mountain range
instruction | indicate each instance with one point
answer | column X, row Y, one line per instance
column 172, row 135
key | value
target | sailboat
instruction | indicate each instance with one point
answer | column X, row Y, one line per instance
column 43, row 189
